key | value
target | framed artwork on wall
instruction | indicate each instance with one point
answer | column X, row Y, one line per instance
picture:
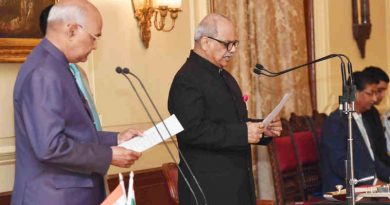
column 19, row 28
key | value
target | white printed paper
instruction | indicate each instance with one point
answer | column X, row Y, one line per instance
column 276, row 110
column 151, row 137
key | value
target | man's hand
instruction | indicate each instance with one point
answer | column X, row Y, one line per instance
column 128, row 134
column 274, row 128
column 255, row 132
column 379, row 182
column 122, row 157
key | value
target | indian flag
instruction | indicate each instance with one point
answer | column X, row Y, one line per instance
column 130, row 193
column 118, row 196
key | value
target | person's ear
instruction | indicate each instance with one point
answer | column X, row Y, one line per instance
column 71, row 30
column 204, row 43
column 358, row 94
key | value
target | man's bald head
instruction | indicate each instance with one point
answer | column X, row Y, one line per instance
column 210, row 24
column 74, row 27
column 215, row 39
column 73, row 11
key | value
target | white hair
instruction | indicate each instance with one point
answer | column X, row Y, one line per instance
column 208, row 26
column 66, row 13
column 205, row 30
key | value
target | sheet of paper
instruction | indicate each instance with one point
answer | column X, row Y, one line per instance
column 276, row 110
column 152, row 137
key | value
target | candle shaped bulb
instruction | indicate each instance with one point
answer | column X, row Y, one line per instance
column 365, row 11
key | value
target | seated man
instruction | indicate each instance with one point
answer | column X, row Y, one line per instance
column 334, row 140
column 374, row 117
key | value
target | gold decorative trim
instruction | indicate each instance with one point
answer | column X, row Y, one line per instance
column 15, row 50
column 7, row 161
column 7, row 155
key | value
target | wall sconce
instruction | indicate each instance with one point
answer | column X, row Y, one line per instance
column 361, row 24
column 144, row 11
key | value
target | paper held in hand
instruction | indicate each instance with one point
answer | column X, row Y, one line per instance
column 276, row 110
column 152, row 137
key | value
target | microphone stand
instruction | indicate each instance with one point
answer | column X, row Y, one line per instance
column 125, row 71
column 349, row 108
column 346, row 105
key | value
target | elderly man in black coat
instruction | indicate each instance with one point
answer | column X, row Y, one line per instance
column 218, row 134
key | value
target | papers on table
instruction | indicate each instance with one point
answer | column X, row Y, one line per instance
column 152, row 137
column 276, row 110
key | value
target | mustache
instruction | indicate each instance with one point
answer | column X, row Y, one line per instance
column 228, row 55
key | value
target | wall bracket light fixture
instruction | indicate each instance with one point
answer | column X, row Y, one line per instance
column 361, row 24
column 144, row 10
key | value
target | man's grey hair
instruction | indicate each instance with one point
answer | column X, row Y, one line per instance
column 208, row 26
column 66, row 13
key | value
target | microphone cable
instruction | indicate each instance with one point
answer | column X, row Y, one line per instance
column 259, row 68
column 347, row 90
column 125, row 71
column 346, row 105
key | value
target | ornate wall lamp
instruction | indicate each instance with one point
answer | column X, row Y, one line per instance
column 361, row 23
column 144, row 11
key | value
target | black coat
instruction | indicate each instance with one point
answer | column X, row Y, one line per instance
column 377, row 134
column 209, row 104
column 334, row 142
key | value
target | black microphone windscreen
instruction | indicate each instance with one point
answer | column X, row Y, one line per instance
column 257, row 71
column 259, row 66
column 126, row 71
column 119, row 70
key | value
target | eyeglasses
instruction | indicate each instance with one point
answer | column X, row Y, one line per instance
column 228, row 44
column 370, row 94
column 95, row 37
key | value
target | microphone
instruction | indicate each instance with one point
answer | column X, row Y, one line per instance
column 119, row 70
column 125, row 71
column 260, row 70
column 348, row 91
column 352, row 87
column 347, row 105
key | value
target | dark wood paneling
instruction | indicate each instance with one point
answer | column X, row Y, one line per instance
column 5, row 198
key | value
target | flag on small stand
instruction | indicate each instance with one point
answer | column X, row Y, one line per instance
column 130, row 193
column 118, row 196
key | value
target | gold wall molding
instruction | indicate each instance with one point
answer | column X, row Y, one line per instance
column 7, row 154
column 14, row 50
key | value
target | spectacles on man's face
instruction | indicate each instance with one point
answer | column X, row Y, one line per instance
column 370, row 93
column 95, row 37
column 228, row 44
